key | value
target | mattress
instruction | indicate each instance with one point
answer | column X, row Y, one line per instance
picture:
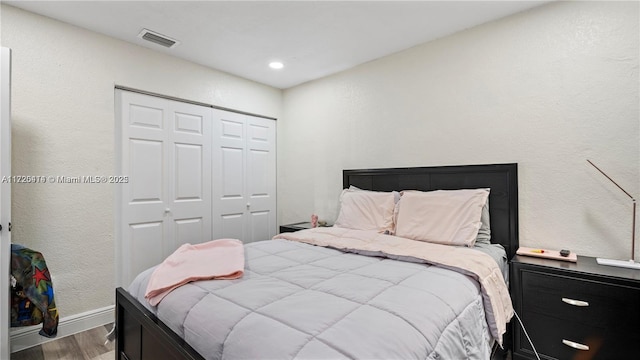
column 297, row 300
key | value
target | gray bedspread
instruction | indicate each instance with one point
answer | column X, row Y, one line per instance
column 302, row 301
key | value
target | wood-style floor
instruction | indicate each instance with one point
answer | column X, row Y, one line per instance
column 87, row 345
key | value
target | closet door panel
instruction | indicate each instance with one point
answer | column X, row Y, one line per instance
column 143, row 200
column 146, row 140
column 147, row 116
column 232, row 173
column 244, row 177
column 146, row 159
column 229, row 185
column 164, row 147
column 189, row 230
column 260, row 225
column 232, row 226
column 144, row 238
column 187, row 179
column 261, row 177
column 190, row 190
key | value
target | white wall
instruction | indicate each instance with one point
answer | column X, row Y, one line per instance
column 547, row 88
column 63, row 124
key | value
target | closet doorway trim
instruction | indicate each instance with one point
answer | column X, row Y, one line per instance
column 143, row 92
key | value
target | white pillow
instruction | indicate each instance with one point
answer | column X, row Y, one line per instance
column 449, row 217
column 366, row 210
column 484, row 234
column 396, row 194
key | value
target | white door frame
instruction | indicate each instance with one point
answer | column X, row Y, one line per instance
column 5, row 200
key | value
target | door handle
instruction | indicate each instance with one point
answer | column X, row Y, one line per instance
column 575, row 345
column 575, row 302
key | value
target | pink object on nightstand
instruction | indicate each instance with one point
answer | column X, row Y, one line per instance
column 314, row 220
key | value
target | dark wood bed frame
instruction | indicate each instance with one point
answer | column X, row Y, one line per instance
column 141, row 335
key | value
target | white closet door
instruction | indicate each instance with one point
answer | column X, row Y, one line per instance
column 261, row 178
column 244, row 177
column 190, row 173
column 166, row 153
column 5, row 199
column 229, row 157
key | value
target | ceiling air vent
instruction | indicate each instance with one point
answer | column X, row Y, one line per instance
column 159, row 39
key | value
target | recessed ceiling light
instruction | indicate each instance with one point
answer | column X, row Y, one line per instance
column 276, row 65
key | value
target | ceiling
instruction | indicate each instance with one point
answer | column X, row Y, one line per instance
column 312, row 38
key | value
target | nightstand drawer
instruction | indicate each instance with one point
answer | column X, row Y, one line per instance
column 562, row 339
column 611, row 307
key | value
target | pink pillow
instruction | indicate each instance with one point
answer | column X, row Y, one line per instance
column 366, row 210
column 449, row 217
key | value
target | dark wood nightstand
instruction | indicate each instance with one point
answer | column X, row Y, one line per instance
column 295, row 227
column 575, row 310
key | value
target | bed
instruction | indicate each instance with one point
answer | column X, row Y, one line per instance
column 361, row 306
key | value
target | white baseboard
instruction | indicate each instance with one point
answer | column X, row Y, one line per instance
column 26, row 337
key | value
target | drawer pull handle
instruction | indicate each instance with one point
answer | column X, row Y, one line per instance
column 575, row 302
column 575, row 345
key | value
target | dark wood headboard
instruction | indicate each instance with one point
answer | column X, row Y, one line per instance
column 502, row 179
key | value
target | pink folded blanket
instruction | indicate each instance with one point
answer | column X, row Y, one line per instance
column 217, row 259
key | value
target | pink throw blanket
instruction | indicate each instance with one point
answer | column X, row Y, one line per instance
column 217, row 259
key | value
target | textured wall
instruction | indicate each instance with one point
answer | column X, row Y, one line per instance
column 63, row 124
column 547, row 88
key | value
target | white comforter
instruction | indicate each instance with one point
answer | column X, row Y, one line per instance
column 497, row 302
column 299, row 301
